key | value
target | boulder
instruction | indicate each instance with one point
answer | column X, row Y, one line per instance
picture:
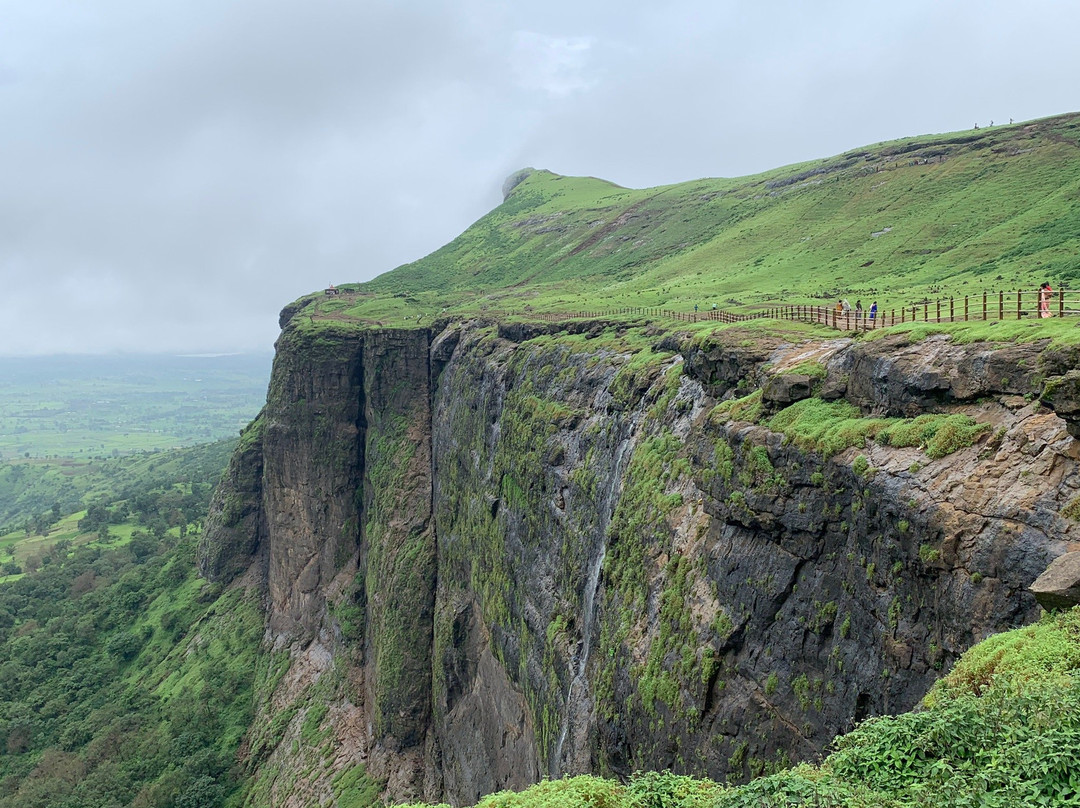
column 1062, row 395
column 1059, row 586
column 786, row 389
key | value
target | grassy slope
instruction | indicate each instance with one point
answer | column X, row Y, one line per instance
column 960, row 213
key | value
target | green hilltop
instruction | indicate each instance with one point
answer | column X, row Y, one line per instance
column 988, row 209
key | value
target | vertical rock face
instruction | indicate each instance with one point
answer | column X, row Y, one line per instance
column 235, row 524
column 532, row 554
column 397, row 556
column 312, row 473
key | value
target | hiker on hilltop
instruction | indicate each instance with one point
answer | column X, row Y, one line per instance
column 858, row 309
column 873, row 310
column 1045, row 293
column 845, row 307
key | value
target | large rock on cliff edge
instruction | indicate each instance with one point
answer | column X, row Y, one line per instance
column 1062, row 395
column 787, row 388
column 1059, row 586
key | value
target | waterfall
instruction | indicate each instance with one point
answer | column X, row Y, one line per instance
column 592, row 586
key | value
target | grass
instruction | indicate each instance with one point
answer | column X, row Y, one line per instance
column 832, row 427
column 1060, row 331
column 894, row 222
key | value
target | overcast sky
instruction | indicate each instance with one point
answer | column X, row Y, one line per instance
column 173, row 172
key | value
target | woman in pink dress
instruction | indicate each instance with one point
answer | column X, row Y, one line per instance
column 1045, row 292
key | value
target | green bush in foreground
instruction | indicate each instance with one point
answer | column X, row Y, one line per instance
column 1001, row 730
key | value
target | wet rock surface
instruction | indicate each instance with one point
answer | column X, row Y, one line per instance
column 534, row 556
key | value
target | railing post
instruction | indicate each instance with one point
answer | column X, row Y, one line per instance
column 1061, row 302
column 926, row 311
column 984, row 304
column 1018, row 304
column 939, row 311
column 1001, row 305
column 951, row 317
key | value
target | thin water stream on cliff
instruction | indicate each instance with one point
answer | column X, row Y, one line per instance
column 592, row 585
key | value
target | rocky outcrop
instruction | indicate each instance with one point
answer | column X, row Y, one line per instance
column 895, row 376
column 786, row 388
column 235, row 524
column 519, row 553
column 397, row 547
column 313, row 464
column 1062, row 395
column 1059, row 586
column 728, row 359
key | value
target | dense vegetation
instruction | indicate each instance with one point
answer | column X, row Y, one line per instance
column 35, row 494
column 126, row 680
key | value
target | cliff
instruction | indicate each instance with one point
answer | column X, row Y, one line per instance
column 495, row 553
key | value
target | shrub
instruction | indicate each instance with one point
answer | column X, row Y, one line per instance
column 825, row 427
column 941, row 435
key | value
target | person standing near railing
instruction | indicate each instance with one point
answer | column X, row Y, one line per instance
column 1045, row 293
column 873, row 310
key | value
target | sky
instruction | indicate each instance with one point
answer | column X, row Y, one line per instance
column 172, row 173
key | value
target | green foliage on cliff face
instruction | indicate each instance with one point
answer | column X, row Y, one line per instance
column 502, row 485
column 832, row 427
column 826, row 427
column 640, row 511
column 747, row 408
column 941, row 435
column 355, row 788
column 1002, row 730
column 1049, row 649
column 400, row 568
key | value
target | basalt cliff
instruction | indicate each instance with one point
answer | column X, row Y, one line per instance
column 493, row 553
